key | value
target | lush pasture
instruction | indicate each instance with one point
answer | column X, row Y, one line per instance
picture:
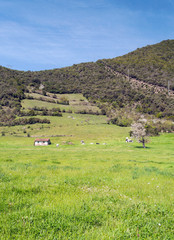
column 113, row 191
column 76, row 102
column 70, row 125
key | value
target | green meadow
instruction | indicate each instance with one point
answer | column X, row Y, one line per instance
column 76, row 102
column 111, row 190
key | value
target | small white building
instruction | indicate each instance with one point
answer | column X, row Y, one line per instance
column 42, row 142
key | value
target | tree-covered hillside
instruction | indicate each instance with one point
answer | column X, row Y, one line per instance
column 105, row 81
column 153, row 64
column 11, row 87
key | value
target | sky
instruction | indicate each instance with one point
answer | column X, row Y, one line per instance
column 46, row 34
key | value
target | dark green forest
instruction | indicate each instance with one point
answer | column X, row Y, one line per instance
column 117, row 83
column 152, row 64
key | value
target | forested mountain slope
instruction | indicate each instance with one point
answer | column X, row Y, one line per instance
column 153, row 64
column 138, row 80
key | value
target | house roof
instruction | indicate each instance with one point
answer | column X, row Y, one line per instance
column 42, row 140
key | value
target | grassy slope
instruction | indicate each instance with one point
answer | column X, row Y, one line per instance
column 76, row 102
column 113, row 191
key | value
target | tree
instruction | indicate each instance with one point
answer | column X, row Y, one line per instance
column 44, row 92
column 139, row 131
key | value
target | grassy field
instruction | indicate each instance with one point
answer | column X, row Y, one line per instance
column 115, row 190
column 76, row 102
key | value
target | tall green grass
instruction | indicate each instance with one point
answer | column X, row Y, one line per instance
column 113, row 191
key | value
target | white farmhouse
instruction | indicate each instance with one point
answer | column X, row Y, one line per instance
column 42, row 142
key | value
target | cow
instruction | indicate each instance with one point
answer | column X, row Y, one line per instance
column 128, row 140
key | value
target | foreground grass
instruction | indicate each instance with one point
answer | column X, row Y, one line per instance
column 113, row 191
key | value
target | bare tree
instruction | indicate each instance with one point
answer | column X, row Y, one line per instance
column 139, row 131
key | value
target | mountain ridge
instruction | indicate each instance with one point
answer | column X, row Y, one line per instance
column 135, row 81
column 138, row 79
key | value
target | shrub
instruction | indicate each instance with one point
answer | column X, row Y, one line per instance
column 151, row 130
column 121, row 121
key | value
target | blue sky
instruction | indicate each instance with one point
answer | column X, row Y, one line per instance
column 47, row 34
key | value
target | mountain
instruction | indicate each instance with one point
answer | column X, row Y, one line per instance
column 152, row 64
column 138, row 80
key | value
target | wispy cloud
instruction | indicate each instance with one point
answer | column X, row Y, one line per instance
column 43, row 34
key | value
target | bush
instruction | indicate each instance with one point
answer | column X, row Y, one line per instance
column 63, row 101
column 121, row 121
column 25, row 121
column 153, row 129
